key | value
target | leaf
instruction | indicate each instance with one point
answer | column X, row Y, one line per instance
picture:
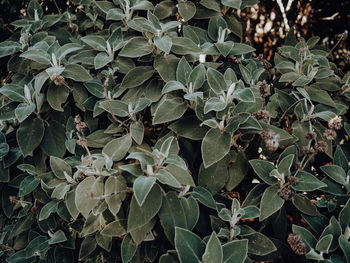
column 263, row 169
column 307, row 182
column 13, row 92
column 214, row 177
column 137, row 131
column 189, row 127
column 345, row 246
column 142, row 186
column 118, row 148
column 184, row 46
column 48, row 209
column 164, row 43
column 54, row 139
column 37, row 55
column 216, row 81
column 166, row 66
column 96, row 42
column 215, row 146
column 241, row 49
column 102, row 59
column 336, row 173
column 59, row 167
column 115, row 229
column 28, row 185
column 187, row 10
column 29, row 135
column 197, row 77
column 8, row 48
column 128, row 248
column 204, row 197
column 259, row 244
column 58, row 237
column 24, row 110
column 85, row 194
column 76, row 72
column 137, row 76
column 232, row 3
column 271, row 202
column 183, row 71
column 141, row 215
column 116, row 186
column 235, row 251
column 324, row 243
column 56, row 96
column 213, row 250
column 171, row 215
column 136, row 47
column 163, row 114
column 189, row 246
column 173, row 85
column 95, row 87
column 303, row 204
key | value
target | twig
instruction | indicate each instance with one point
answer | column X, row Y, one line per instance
column 291, row 106
column 58, row 9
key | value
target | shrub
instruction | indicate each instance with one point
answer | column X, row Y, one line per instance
column 139, row 131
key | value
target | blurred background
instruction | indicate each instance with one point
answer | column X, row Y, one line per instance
column 265, row 25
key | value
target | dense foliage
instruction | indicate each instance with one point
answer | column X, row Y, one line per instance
column 145, row 131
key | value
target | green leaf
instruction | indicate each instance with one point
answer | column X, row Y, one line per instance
column 259, row 244
column 166, row 66
column 235, row 251
column 183, row 71
column 164, row 43
column 13, row 91
column 95, row 87
column 215, row 146
column 184, row 46
column 163, row 114
column 118, row 148
column 115, row 229
column 37, row 55
column 54, row 139
column 187, row 10
column 128, row 248
column 241, row 49
column 48, row 209
column 320, row 96
column 324, row 243
column 336, row 173
column 137, row 131
column 189, row 127
column 213, row 250
column 102, row 59
column 58, row 237
column 204, row 197
column 137, row 76
column 263, row 169
column 271, row 202
column 116, row 186
column 333, row 228
column 8, row 48
column 29, row 135
column 142, row 186
column 307, row 182
column 171, row 215
column 216, row 81
column 136, row 47
column 141, row 215
column 24, row 110
column 232, row 3
column 56, row 96
column 345, row 246
column 28, row 185
column 197, row 77
column 86, row 193
column 214, row 177
column 303, row 204
column 59, row 167
column 96, row 42
column 237, row 171
column 189, row 246
column 173, row 85
column 76, row 72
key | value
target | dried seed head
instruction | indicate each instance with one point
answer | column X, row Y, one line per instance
column 286, row 194
column 264, row 89
column 308, row 150
column 330, row 134
column 58, row 80
column 261, row 115
column 335, row 123
column 271, row 139
column 346, row 58
column 292, row 180
column 77, row 118
column 321, row 146
column 12, row 199
column 296, row 244
column 80, row 126
column 301, row 51
column 81, row 141
column 311, row 135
